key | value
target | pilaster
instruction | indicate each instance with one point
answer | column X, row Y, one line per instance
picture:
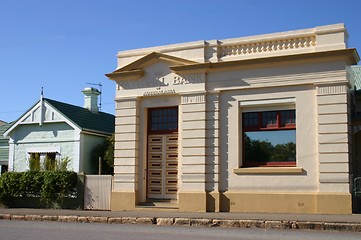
column 193, row 149
column 213, row 144
column 333, row 137
column 126, row 151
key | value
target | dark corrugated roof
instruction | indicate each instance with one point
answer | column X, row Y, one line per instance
column 87, row 120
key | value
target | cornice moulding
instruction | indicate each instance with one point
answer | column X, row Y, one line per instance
column 126, row 75
column 194, row 68
column 350, row 55
column 152, row 57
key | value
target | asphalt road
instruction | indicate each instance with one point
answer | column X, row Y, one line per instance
column 15, row 230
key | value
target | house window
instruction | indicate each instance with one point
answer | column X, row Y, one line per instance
column 42, row 161
column 163, row 120
column 4, row 168
column 269, row 138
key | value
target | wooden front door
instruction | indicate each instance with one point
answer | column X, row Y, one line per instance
column 162, row 156
column 163, row 166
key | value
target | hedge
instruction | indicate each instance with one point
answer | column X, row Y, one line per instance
column 52, row 187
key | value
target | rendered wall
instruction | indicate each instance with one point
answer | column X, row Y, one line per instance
column 211, row 98
column 48, row 136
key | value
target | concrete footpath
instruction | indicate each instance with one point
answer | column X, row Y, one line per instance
column 164, row 218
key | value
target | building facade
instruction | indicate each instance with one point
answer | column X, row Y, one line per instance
column 4, row 147
column 251, row 124
column 56, row 130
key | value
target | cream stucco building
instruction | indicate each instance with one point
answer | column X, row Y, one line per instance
column 251, row 124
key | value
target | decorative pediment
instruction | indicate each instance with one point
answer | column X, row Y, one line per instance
column 34, row 114
column 135, row 70
column 41, row 112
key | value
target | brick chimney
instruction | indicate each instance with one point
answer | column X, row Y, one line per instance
column 91, row 98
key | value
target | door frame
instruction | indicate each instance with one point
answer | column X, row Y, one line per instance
column 158, row 132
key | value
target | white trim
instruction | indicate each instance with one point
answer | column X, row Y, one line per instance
column 22, row 118
column 11, row 164
column 53, row 140
column 41, row 117
column 43, row 150
column 279, row 101
column 269, row 170
column 268, row 104
column 30, row 111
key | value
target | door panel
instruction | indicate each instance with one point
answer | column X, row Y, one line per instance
column 163, row 166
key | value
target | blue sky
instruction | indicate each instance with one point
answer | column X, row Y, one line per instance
column 62, row 45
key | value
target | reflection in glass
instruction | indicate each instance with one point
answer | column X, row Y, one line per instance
column 270, row 146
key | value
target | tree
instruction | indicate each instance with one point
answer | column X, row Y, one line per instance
column 34, row 162
column 109, row 151
column 264, row 151
column 284, row 152
column 105, row 150
column 257, row 151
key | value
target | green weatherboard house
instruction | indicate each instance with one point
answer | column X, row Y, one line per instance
column 57, row 130
column 4, row 147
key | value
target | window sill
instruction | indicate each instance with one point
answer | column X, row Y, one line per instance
column 269, row 170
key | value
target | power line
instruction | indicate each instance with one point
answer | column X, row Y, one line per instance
column 17, row 111
column 107, row 103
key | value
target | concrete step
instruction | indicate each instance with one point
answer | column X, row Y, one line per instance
column 158, row 205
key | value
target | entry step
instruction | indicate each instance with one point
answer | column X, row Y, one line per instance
column 159, row 204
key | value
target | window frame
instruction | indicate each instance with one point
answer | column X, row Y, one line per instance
column 150, row 111
column 272, row 127
column 42, row 153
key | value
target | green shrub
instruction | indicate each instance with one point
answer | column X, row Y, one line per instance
column 34, row 162
column 10, row 185
column 50, row 186
column 49, row 164
column 58, row 185
column 62, row 164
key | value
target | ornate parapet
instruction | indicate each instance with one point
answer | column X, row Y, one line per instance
column 268, row 46
column 324, row 38
column 311, row 40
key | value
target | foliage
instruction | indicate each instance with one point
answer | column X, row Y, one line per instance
column 58, row 185
column 34, row 162
column 284, row 152
column 48, row 164
column 109, row 151
column 264, row 151
column 10, row 185
column 50, row 186
column 105, row 150
column 62, row 164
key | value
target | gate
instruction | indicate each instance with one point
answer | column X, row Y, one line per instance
column 97, row 192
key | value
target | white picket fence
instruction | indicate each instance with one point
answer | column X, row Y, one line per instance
column 97, row 191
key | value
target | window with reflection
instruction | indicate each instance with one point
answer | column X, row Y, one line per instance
column 269, row 138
